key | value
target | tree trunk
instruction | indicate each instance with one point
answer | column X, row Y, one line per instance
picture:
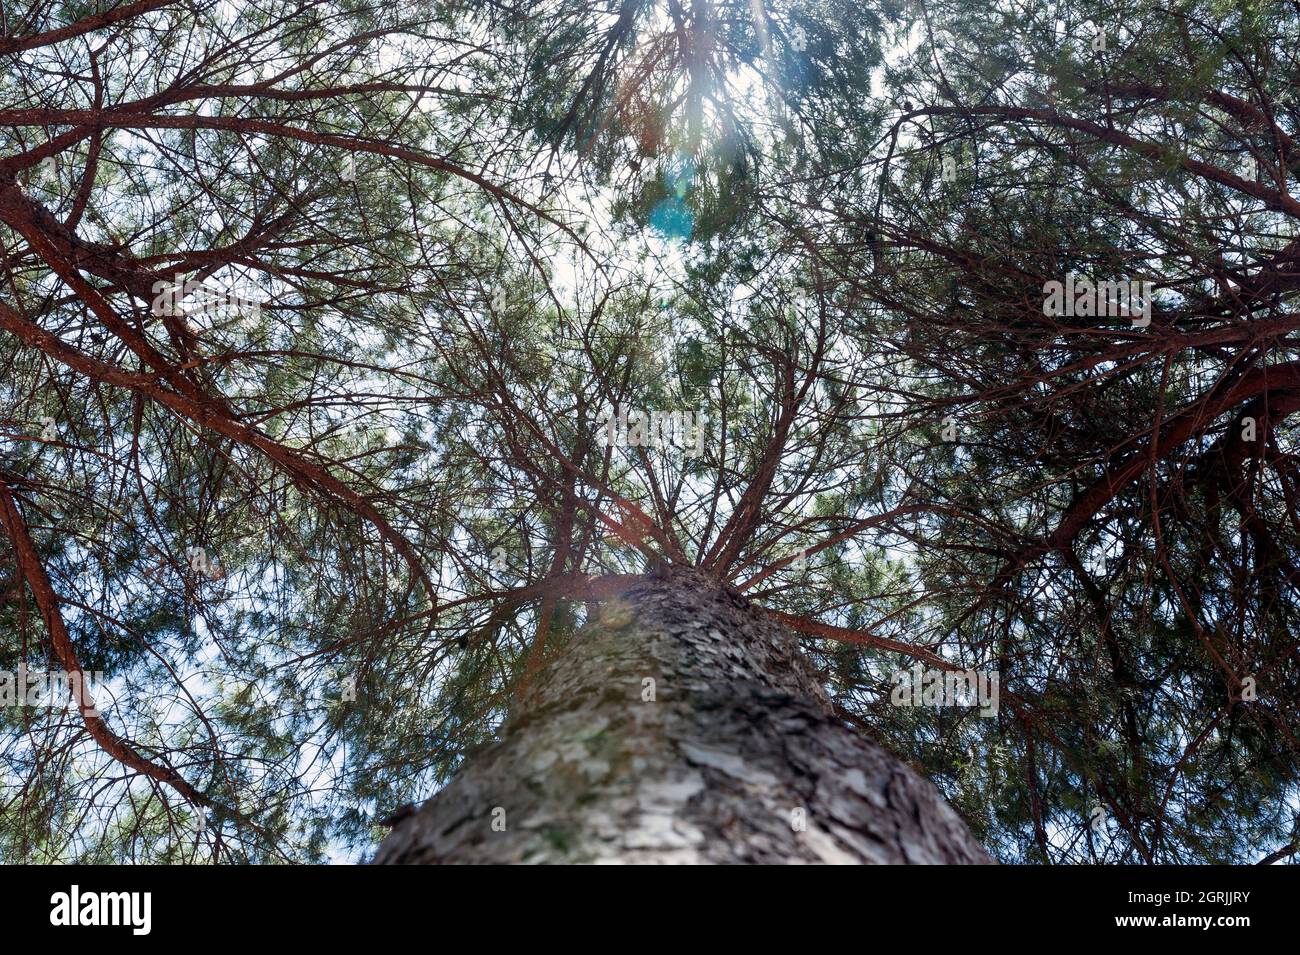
column 731, row 754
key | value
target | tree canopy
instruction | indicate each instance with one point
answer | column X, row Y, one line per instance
column 315, row 315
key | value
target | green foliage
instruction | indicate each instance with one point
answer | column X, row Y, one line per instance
column 474, row 229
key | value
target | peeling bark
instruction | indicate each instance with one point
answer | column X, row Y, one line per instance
column 737, row 758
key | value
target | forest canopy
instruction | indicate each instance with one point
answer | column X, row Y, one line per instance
column 318, row 319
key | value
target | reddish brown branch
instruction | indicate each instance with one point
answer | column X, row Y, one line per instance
column 33, row 572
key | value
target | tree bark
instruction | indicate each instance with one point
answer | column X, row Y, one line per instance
column 734, row 757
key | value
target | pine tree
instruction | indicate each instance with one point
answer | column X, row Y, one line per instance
column 944, row 341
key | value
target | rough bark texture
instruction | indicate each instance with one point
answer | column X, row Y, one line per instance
column 737, row 749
